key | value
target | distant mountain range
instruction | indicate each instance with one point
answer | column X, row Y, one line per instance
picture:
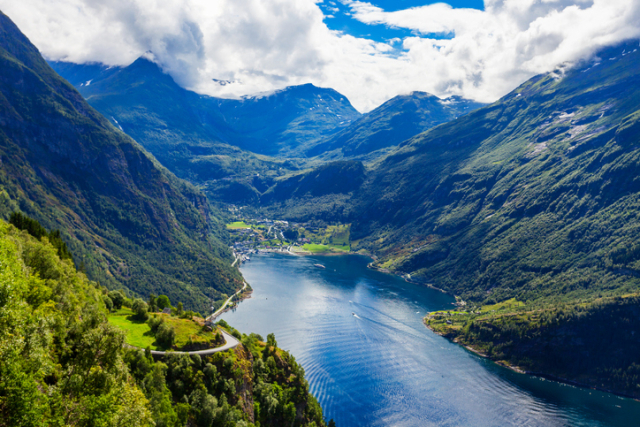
column 394, row 121
column 221, row 144
column 127, row 220
column 144, row 101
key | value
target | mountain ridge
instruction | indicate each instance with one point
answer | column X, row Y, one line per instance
column 396, row 120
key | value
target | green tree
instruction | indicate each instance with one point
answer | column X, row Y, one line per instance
column 166, row 335
column 153, row 306
column 163, row 302
column 180, row 309
column 117, row 297
column 140, row 309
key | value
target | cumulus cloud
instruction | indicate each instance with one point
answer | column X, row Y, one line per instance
column 261, row 45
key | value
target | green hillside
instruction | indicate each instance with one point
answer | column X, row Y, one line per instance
column 532, row 197
column 62, row 363
column 126, row 220
column 536, row 198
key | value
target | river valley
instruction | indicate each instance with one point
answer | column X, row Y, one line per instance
column 370, row 361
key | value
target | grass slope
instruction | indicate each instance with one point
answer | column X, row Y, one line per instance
column 139, row 334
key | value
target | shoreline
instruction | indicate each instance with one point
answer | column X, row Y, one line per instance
column 351, row 253
column 406, row 279
column 532, row 373
column 226, row 309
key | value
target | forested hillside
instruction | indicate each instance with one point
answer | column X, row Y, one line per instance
column 127, row 221
column 62, row 363
column 532, row 197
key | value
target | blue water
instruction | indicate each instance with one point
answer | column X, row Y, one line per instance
column 382, row 367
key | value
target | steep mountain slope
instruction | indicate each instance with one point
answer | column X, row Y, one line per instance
column 394, row 121
column 532, row 197
column 127, row 221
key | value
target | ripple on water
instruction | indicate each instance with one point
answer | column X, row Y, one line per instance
column 382, row 367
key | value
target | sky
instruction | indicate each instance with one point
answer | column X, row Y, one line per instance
column 370, row 51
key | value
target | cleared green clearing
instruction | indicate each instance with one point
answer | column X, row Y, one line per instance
column 138, row 333
column 187, row 331
column 510, row 304
column 237, row 225
column 315, row 248
column 338, row 235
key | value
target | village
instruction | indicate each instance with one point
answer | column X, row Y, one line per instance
column 255, row 235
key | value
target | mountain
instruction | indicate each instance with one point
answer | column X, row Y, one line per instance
column 284, row 122
column 396, row 120
column 205, row 139
column 127, row 221
column 144, row 101
column 522, row 198
column 535, row 200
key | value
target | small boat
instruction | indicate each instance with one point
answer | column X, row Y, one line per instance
column 353, row 313
column 319, row 265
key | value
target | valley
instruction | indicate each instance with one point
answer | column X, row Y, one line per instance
column 511, row 200
column 509, row 229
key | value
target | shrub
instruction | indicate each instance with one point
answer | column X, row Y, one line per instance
column 163, row 302
column 154, row 323
column 117, row 297
column 165, row 335
column 107, row 302
column 140, row 309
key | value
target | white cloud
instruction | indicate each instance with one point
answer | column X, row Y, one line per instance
column 261, row 45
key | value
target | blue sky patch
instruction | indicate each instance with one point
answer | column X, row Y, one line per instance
column 338, row 18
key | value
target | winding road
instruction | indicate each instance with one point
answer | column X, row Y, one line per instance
column 221, row 309
column 231, row 342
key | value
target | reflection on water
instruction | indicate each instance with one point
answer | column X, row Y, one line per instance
column 371, row 362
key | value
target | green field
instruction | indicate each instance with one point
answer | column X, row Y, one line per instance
column 318, row 249
column 237, row 225
column 315, row 248
column 139, row 334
